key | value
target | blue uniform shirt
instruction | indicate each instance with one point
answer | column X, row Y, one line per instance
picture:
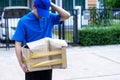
column 30, row 28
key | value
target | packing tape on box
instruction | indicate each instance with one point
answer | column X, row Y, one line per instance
column 47, row 63
column 43, row 54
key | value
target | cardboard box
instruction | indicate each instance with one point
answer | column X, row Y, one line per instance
column 45, row 54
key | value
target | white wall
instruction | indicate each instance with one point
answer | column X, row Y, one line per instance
column 59, row 2
column 86, row 4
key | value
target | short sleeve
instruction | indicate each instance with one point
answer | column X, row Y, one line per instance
column 55, row 18
column 20, row 32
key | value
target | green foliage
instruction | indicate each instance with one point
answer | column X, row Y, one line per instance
column 117, row 4
column 111, row 3
column 100, row 17
column 99, row 36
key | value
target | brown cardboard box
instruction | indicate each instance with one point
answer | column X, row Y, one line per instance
column 45, row 54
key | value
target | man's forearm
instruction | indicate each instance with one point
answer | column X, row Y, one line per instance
column 64, row 14
column 18, row 52
column 19, row 56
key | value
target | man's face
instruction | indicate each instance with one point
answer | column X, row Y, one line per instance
column 35, row 12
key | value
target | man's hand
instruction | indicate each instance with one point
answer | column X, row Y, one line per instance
column 63, row 13
column 24, row 67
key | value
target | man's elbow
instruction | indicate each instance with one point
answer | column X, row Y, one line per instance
column 66, row 16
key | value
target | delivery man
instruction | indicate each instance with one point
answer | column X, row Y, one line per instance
column 36, row 25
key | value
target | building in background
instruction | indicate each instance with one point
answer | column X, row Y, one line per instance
column 70, row 4
column 92, row 3
column 66, row 4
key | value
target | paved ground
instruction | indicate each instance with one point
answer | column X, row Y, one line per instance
column 84, row 63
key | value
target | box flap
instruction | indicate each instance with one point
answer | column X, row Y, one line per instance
column 46, row 44
column 39, row 45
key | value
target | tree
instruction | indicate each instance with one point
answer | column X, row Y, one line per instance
column 111, row 3
column 117, row 4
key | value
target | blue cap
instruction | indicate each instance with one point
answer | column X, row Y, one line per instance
column 42, row 7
